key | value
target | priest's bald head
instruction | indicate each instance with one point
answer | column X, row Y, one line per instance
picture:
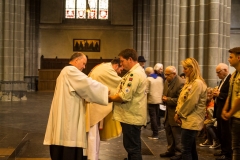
column 78, row 60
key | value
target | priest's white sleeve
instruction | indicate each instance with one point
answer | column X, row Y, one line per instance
column 87, row 88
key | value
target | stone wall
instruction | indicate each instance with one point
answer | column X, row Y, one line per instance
column 57, row 33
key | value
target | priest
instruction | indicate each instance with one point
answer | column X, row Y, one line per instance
column 66, row 128
column 101, row 123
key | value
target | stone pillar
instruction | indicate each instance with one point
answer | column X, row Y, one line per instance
column 18, row 52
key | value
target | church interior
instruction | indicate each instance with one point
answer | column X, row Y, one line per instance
column 39, row 36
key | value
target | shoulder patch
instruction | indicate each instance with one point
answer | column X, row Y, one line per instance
column 127, row 90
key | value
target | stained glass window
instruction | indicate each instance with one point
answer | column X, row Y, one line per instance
column 70, row 9
column 86, row 9
column 81, row 9
column 103, row 9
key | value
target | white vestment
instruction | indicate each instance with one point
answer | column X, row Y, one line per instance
column 66, row 124
column 105, row 74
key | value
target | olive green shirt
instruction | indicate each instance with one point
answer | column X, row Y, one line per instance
column 132, row 90
column 234, row 91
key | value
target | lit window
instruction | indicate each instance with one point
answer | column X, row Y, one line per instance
column 86, row 9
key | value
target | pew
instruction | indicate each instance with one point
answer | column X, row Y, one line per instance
column 50, row 68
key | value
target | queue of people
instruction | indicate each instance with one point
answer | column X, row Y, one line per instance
column 87, row 109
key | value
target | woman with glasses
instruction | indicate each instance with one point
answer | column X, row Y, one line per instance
column 190, row 110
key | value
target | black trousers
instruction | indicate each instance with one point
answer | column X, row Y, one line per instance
column 224, row 135
column 153, row 110
column 66, row 153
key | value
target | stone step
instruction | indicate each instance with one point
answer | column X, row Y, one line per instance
column 11, row 141
column 34, row 148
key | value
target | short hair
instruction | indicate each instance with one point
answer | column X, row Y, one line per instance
column 223, row 66
column 158, row 66
column 172, row 68
column 235, row 50
column 149, row 70
column 116, row 61
column 76, row 55
column 127, row 53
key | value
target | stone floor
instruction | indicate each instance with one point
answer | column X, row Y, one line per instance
column 23, row 124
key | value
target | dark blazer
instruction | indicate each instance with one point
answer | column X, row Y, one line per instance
column 218, row 105
column 172, row 92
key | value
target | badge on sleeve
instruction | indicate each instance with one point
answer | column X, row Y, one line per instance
column 129, row 84
column 127, row 90
column 130, row 79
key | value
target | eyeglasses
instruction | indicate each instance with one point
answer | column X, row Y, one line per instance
column 167, row 74
column 219, row 71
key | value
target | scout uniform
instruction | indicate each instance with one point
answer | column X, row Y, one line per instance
column 132, row 91
column 234, row 90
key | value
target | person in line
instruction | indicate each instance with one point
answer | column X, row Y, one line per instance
column 130, row 107
column 100, row 117
column 172, row 88
column 158, row 69
column 223, row 127
column 190, row 110
column 141, row 61
column 154, row 98
column 66, row 128
column 212, row 140
column 232, row 105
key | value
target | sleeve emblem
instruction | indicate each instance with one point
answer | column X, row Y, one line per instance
column 127, row 90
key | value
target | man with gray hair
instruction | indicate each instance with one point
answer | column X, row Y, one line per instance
column 172, row 88
column 223, row 127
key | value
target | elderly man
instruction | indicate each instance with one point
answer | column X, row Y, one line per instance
column 223, row 127
column 171, row 91
column 131, row 103
column 66, row 133
column 107, row 74
column 232, row 105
